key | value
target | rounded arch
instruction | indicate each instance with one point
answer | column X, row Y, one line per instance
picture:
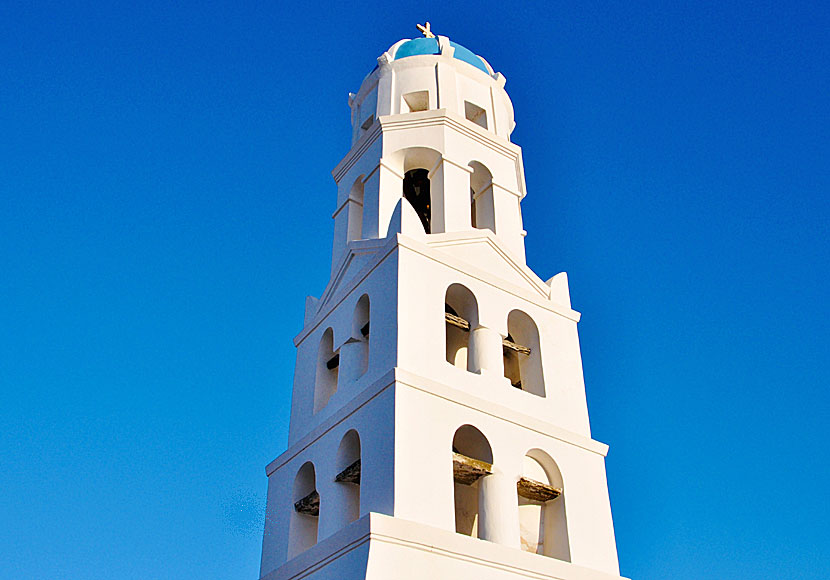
column 415, row 165
column 356, row 194
column 349, row 450
column 305, row 510
column 328, row 363
column 461, row 318
column 548, row 465
column 472, row 461
column 482, row 205
column 471, row 442
column 349, row 466
column 361, row 326
column 543, row 520
column 522, row 354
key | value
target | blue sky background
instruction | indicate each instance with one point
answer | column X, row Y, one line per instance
column 165, row 202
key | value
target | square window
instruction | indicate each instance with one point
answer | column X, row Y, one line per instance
column 475, row 114
column 417, row 101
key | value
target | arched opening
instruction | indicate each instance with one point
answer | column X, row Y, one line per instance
column 522, row 355
column 360, row 333
column 328, row 364
column 302, row 528
column 542, row 520
column 472, row 460
column 348, row 474
column 482, row 209
column 461, row 317
column 356, row 210
column 416, row 190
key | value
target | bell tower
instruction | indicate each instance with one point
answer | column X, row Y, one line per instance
column 439, row 425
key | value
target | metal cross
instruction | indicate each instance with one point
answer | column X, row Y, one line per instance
column 425, row 30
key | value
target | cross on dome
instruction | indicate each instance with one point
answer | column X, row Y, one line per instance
column 425, row 30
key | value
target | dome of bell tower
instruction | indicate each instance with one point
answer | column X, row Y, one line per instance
column 418, row 46
column 433, row 73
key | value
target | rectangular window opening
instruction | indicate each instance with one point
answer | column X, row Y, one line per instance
column 414, row 102
column 475, row 114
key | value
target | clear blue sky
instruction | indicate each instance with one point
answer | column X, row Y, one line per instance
column 165, row 202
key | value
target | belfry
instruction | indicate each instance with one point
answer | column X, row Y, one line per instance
column 439, row 426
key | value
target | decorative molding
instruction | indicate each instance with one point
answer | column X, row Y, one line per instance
column 412, row 380
column 540, row 298
column 442, row 160
column 380, row 530
column 358, row 149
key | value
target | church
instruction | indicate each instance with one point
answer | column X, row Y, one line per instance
column 439, row 425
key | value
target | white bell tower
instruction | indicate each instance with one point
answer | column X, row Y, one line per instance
column 439, row 426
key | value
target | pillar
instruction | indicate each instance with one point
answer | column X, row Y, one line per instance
column 450, row 191
column 381, row 191
column 352, row 364
column 498, row 510
column 485, row 352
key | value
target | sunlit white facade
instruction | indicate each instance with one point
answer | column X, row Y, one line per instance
column 439, row 426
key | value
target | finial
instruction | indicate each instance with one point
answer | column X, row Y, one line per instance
column 425, row 30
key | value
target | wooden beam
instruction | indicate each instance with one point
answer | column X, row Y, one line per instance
column 349, row 475
column 309, row 505
column 535, row 490
column 513, row 346
column 333, row 362
column 467, row 470
column 457, row 321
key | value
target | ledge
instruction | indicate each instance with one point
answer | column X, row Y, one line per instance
column 427, row 549
column 467, row 471
column 536, row 490
column 414, row 381
column 349, row 475
column 309, row 505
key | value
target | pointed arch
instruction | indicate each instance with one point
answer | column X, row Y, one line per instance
column 461, row 317
column 522, row 354
column 543, row 521
column 472, row 460
column 328, row 363
column 305, row 512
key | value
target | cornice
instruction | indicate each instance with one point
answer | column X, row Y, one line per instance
column 397, row 375
column 357, row 150
column 439, row 117
column 386, row 247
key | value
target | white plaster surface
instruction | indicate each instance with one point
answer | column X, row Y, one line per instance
column 376, row 382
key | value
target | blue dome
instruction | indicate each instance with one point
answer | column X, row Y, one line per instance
column 418, row 46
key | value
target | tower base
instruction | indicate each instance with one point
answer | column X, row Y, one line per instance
column 380, row 547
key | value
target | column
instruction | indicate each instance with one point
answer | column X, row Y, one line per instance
column 381, row 191
column 450, row 192
column 486, row 352
column 352, row 355
column 498, row 510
